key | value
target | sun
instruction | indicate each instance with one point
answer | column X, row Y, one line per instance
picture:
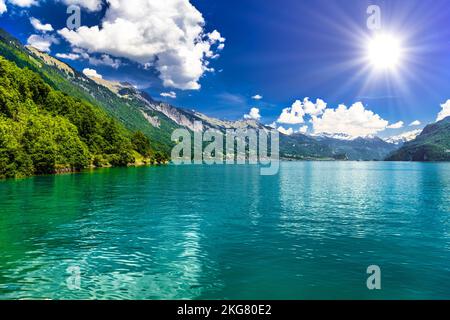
column 384, row 52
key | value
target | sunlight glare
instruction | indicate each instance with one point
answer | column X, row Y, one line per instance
column 384, row 52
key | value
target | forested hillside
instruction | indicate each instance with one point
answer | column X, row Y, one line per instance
column 43, row 130
column 60, row 76
column 433, row 144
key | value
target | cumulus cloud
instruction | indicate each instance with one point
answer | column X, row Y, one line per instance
column 105, row 60
column 396, row 125
column 170, row 94
column 253, row 115
column 3, row 8
column 272, row 125
column 39, row 26
column 355, row 121
column 19, row 3
column 42, row 43
column 68, row 56
column 92, row 73
column 303, row 129
column 90, row 5
column 168, row 35
column 284, row 131
column 415, row 123
column 296, row 113
column 257, row 97
column 24, row 3
column 216, row 37
column 292, row 115
column 314, row 109
column 445, row 112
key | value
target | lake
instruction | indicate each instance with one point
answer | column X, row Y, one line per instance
column 225, row 232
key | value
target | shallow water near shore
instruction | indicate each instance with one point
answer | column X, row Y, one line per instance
column 226, row 232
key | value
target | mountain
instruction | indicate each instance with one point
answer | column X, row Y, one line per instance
column 302, row 147
column 138, row 111
column 404, row 137
column 359, row 149
column 127, row 109
column 135, row 109
column 297, row 146
column 181, row 117
column 45, row 131
column 433, row 144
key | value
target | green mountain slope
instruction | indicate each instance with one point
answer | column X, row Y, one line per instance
column 360, row 149
column 433, row 144
column 137, row 111
column 43, row 130
column 301, row 147
column 60, row 76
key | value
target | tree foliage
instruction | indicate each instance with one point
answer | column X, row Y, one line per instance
column 141, row 143
column 44, row 131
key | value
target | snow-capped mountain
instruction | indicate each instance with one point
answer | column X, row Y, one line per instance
column 404, row 137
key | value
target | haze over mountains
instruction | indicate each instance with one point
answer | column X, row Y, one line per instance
column 137, row 111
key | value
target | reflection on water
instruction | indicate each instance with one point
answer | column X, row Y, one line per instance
column 213, row 232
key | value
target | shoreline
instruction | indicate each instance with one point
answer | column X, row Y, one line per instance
column 68, row 171
column 61, row 172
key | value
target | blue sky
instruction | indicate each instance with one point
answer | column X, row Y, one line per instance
column 282, row 50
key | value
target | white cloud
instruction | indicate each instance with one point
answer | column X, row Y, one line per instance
column 38, row 25
column 92, row 73
column 257, row 97
column 314, row 109
column 292, row 115
column 253, row 115
column 296, row 113
column 19, row 3
column 168, row 35
column 3, row 8
column 24, row 3
column 90, row 5
column 445, row 112
column 105, row 60
column 303, row 129
column 81, row 52
column 216, row 37
column 42, row 43
column 396, row 125
column 287, row 132
column 355, row 121
column 415, row 123
column 68, row 56
column 170, row 94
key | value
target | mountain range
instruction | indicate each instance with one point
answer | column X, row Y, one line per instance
column 297, row 146
column 433, row 144
column 137, row 111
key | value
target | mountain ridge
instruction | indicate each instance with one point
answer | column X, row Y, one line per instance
column 138, row 111
column 433, row 144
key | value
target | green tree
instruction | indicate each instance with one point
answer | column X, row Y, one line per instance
column 43, row 130
column 141, row 143
column 14, row 162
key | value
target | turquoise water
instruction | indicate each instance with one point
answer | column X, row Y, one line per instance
column 214, row 232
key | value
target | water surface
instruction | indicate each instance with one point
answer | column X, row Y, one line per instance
column 215, row 232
